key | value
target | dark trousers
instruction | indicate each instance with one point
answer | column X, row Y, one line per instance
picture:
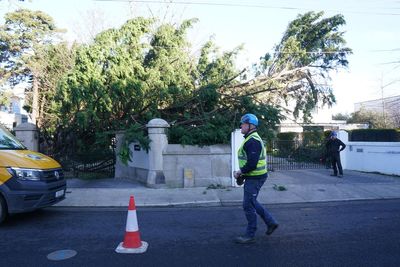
column 252, row 207
column 336, row 164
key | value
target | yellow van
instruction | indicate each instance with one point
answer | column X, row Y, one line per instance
column 28, row 180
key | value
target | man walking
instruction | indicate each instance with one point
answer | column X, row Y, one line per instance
column 253, row 169
column 334, row 146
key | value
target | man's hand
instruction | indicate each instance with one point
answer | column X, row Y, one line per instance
column 237, row 174
column 239, row 178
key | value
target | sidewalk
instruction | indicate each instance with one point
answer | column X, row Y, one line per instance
column 302, row 186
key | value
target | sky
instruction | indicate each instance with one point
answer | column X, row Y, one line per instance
column 372, row 32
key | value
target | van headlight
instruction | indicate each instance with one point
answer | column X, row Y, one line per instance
column 25, row 174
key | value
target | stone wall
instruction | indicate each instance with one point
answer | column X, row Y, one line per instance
column 174, row 165
column 28, row 134
column 193, row 166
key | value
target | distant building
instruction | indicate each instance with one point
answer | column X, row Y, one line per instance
column 321, row 120
column 388, row 106
column 13, row 114
column 328, row 126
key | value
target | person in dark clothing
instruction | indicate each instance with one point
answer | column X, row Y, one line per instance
column 253, row 170
column 334, row 146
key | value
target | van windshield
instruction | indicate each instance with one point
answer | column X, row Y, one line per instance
column 8, row 141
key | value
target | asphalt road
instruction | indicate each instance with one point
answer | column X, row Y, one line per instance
column 357, row 233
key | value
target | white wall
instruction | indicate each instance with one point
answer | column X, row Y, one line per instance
column 383, row 157
column 139, row 156
column 7, row 119
column 344, row 137
column 137, row 167
column 236, row 140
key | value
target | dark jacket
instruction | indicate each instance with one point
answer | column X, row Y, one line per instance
column 253, row 151
column 334, row 146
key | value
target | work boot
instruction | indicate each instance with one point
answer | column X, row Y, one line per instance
column 271, row 228
column 245, row 240
column 340, row 176
column 333, row 174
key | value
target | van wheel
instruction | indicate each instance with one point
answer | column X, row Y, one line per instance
column 3, row 209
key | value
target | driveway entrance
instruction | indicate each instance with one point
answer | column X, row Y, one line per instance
column 292, row 155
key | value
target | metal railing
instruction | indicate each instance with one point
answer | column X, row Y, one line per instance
column 291, row 155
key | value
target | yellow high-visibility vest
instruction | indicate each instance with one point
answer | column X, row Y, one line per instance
column 262, row 162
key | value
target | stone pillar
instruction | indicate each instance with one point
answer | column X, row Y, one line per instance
column 121, row 170
column 344, row 137
column 28, row 134
column 158, row 143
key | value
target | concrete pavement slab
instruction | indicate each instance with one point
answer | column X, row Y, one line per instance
column 269, row 195
column 302, row 186
column 382, row 190
column 230, row 196
column 325, row 192
column 116, row 197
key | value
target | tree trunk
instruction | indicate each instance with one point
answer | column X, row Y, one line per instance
column 35, row 99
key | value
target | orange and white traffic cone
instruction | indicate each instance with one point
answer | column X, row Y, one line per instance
column 132, row 242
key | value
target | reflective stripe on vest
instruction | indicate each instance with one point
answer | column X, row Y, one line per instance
column 262, row 162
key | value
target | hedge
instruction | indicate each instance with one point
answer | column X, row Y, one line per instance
column 374, row 135
column 287, row 136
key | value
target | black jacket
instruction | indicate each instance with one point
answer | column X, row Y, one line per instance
column 334, row 146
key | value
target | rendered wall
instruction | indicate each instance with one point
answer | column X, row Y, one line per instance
column 206, row 165
column 28, row 134
column 382, row 157
column 137, row 168
column 173, row 165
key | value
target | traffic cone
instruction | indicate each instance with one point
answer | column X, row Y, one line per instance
column 132, row 242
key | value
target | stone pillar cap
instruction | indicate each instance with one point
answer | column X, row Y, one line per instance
column 157, row 123
column 26, row 126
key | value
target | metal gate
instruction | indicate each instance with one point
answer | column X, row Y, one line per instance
column 290, row 155
column 99, row 163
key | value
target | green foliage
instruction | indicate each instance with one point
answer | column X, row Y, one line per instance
column 313, row 137
column 286, row 143
column 375, row 120
column 28, row 55
column 24, row 30
column 213, row 131
column 307, row 146
column 122, row 80
column 140, row 71
column 135, row 133
column 311, row 47
column 51, row 63
column 279, row 187
column 327, row 134
column 216, row 186
column 5, row 98
column 375, row 135
column 287, row 136
column 341, row 116
column 125, row 153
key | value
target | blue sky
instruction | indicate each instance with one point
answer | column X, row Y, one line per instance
column 372, row 31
